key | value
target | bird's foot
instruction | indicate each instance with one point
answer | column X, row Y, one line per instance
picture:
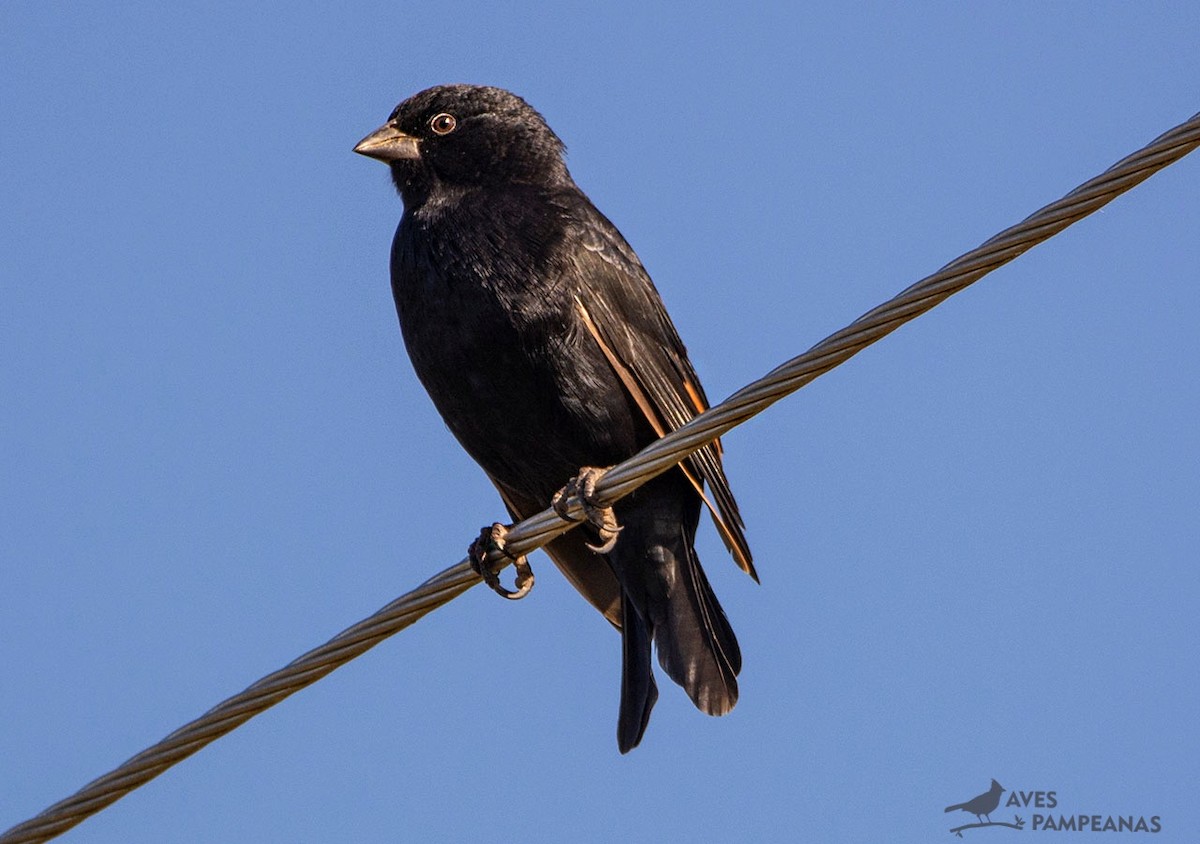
column 494, row 539
column 599, row 516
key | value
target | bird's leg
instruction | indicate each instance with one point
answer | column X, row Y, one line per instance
column 493, row 539
column 599, row 516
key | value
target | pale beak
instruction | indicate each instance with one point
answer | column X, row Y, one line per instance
column 388, row 144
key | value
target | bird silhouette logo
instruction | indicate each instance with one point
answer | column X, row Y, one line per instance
column 982, row 806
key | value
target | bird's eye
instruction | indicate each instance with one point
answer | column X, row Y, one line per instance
column 443, row 124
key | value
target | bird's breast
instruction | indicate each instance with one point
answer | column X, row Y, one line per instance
column 496, row 340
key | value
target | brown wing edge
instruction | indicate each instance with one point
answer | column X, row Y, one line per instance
column 733, row 540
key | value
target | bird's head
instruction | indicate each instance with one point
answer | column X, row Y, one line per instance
column 465, row 136
column 997, row 787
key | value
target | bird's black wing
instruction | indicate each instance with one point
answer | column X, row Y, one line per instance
column 622, row 310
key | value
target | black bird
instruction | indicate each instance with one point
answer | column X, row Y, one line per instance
column 983, row 805
column 546, row 349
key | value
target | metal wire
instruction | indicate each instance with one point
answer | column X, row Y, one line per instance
column 622, row 479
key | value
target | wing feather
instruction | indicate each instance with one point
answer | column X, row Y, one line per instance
column 630, row 324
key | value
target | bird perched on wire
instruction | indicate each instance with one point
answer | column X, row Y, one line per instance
column 983, row 805
column 547, row 350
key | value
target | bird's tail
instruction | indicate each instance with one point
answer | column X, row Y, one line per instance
column 957, row 806
column 638, row 689
column 696, row 645
column 667, row 598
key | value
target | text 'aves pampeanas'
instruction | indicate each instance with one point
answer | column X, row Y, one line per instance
column 546, row 349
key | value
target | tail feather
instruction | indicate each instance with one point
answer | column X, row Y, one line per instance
column 696, row 645
column 638, row 689
column 661, row 580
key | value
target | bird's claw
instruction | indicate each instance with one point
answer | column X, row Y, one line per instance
column 599, row 516
column 493, row 539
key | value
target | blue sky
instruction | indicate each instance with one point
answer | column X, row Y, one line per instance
column 977, row 540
